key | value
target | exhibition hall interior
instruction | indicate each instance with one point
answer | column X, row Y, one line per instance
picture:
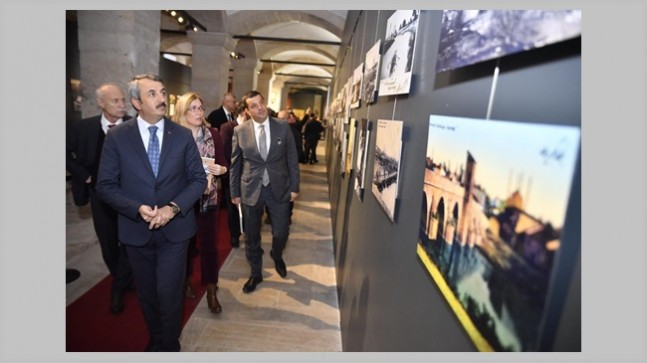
column 439, row 203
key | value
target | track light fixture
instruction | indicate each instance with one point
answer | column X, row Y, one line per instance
column 236, row 55
column 187, row 21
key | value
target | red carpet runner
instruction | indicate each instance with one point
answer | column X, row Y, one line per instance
column 91, row 328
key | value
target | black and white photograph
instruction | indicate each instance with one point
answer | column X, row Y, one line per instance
column 356, row 86
column 472, row 36
column 364, row 134
column 371, row 68
column 344, row 147
column 350, row 151
column 386, row 167
column 399, row 46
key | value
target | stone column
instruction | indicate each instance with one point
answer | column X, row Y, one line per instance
column 210, row 66
column 263, row 80
column 274, row 94
column 245, row 75
column 245, row 69
column 114, row 46
column 284, row 97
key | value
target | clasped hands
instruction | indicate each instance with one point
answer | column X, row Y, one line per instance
column 156, row 217
column 217, row 169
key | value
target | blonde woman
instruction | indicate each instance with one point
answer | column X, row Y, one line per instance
column 189, row 112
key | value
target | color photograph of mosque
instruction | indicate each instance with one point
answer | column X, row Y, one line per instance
column 493, row 207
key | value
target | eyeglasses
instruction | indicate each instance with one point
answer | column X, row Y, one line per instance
column 196, row 109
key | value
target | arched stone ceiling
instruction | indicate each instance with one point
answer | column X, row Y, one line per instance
column 321, row 25
column 245, row 22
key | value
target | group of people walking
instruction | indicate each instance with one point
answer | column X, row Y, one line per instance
column 155, row 186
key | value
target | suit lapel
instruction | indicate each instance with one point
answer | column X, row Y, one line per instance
column 251, row 134
column 167, row 143
column 138, row 144
column 274, row 138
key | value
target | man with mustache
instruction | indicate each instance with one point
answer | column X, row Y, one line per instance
column 151, row 173
column 83, row 151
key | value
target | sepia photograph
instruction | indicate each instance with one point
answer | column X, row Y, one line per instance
column 371, row 72
column 356, row 86
column 386, row 167
column 364, row 135
column 399, row 46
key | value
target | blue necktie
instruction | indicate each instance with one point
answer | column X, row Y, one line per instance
column 154, row 149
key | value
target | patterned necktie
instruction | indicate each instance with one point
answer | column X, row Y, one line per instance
column 154, row 149
column 230, row 117
column 262, row 147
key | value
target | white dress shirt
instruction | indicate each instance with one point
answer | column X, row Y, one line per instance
column 146, row 135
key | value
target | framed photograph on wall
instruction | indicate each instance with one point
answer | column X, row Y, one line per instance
column 399, row 46
column 364, row 135
column 356, row 86
column 371, row 73
column 352, row 127
column 386, row 166
column 473, row 36
column 344, row 147
column 494, row 202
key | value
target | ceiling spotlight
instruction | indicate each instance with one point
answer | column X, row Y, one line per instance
column 195, row 28
column 173, row 13
column 236, row 55
column 180, row 19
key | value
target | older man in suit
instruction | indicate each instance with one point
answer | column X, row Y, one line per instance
column 264, row 173
column 151, row 173
column 83, row 152
column 224, row 113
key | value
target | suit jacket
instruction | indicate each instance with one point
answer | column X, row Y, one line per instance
column 217, row 117
column 226, row 133
column 247, row 165
column 126, row 180
column 82, row 153
column 312, row 131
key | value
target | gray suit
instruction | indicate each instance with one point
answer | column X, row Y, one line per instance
column 246, row 182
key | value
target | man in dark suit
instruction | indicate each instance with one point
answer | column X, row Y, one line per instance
column 224, row 113
column 83, row 151
column 226, row 133
column 264, row 173
column 151, row 173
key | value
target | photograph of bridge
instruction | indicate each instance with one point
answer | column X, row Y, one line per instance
column 473, row 36
column 386, row 166
column 494, row 201
column 399, row 45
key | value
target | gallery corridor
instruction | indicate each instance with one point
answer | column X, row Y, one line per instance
column 299, row 313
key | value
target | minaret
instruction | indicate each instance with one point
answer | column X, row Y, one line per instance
column 470, row 170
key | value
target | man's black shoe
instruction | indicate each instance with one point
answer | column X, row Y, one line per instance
column 279, row 265
column 234, row 242
column 71, row 274
column 117, row 303
column 250, row 285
